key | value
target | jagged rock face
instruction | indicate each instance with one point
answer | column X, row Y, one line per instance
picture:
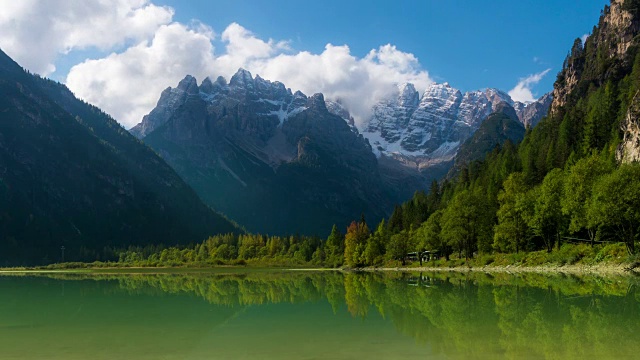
column 613, row 36
column 275, row 161
column 629, row 150
column 425, row 131
column 336, row 108
column 170, row 100
column 531, row 114
column 622, row 23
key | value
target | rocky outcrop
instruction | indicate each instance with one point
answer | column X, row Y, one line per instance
column 531, row 114
column 170, row 100
column 621, row 24
column 614, row 35
column 629, row 150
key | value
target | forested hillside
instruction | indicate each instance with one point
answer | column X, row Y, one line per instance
column 570, row 178
column 75, row 185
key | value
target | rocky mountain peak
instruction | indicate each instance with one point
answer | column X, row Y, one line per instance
column 440, row 91
column 316, row 101
column 505, row 108
column 336, row 108
column 421, row 131
column 265, row 155
column 496, row 96
column 207, row 86
column 531, row 114
column 242, row 81
column 189, row 85
column 408, row 96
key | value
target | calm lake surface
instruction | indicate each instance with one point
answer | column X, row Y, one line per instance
column 318, row 315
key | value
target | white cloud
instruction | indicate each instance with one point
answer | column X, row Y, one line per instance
column 357, row 82
column 584, row 38
column 148, row 52
column 522, row 91
column 127, row 85
column 35, row 33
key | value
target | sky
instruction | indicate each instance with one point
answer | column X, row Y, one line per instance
column 120, row 54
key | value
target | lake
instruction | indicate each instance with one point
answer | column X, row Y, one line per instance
column 237, row 314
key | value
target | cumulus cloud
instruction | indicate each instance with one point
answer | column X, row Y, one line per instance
column 35, row 33
column 522, row 91
column 357, row 82
column 146, row 51
column 127, row 85
column 584, row 38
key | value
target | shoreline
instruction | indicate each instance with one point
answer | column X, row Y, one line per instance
column 604, row 269
column 580, row 269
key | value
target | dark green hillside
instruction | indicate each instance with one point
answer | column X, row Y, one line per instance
column 498, row 128
column 71, row 176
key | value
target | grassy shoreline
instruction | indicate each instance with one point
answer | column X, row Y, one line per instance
column 570, row 259
column 577, row 269
column 599, row 269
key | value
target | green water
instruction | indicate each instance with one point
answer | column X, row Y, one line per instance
column 318, row 315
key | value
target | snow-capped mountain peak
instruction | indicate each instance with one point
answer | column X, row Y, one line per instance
column 430, row 128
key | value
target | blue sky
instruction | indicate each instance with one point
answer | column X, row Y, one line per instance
column 120, row 55
column 470, row 44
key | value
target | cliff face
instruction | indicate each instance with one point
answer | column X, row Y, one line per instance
column 629, row 149
column 275, row 161
column 605, row 48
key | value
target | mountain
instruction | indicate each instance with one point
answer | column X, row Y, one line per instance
column 281, row 162
column 416, row 138
column 72, row 176
column 501, row 126
column 275, row 161
column 428, row 130
column 530, row 114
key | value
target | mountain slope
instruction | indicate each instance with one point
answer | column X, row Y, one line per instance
column 275, row 161
column 499, row 127
column 71, row 176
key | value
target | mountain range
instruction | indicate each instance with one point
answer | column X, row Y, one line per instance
column 272, row 160
column 429, row 129
column 280, row 162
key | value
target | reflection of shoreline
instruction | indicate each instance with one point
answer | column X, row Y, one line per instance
column 598, row 269
column 621, row 269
